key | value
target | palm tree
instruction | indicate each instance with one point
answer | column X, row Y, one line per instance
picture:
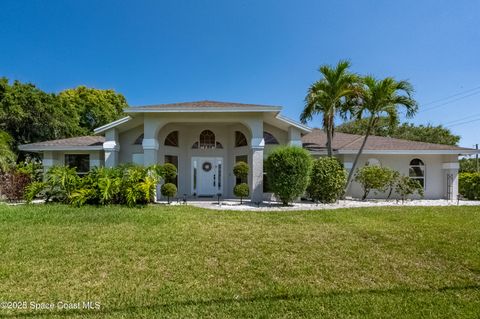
column 7, row 156
column 382, row 98
column 330, row 96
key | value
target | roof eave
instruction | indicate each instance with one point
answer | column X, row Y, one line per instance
column 185, row 109
column 301, row 127
column 110, row 125
column 36, row 149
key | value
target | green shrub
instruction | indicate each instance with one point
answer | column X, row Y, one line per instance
column 125, row 185
column 288, row 171
column 242, row 191
column 374, row 178
column 240, row 170
column 168, row 190
column 327, row 180
column 169, row 172
column 469, row 185
column 406, row 186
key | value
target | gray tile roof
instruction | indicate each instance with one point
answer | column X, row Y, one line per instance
column 314, row 141
column 206, row 103
column 317, row 140
column 92, row 142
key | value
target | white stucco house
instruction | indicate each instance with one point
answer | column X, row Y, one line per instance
column 205, row 139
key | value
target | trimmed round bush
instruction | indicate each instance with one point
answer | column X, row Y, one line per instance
column 288, row 172
column 170, row 172
column 242, row 191
column 168, row 190
column 327, row 180
column 240, row 170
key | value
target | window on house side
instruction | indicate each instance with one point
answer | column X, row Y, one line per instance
column 417, row 171
column 80, row 161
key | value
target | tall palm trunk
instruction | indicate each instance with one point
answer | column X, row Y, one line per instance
column 329, row 128
column 371, row 123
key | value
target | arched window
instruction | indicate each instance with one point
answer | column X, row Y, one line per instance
column 417, row 171
column 139, row 140
column 207, row 139
column 373, row 162
column 240, row 139
column 172, row 139
column 269, row 138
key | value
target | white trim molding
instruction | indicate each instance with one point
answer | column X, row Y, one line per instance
column 289, row 121
column 454, row 165
column 112, row 125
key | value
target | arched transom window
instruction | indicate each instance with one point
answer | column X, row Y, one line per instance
column 172, row 139
column 207, row 141
column 240, row 139
column 417, row 171
column 269, row 138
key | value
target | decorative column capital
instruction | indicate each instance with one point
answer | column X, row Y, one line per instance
column 111, row 146
column 150, row 144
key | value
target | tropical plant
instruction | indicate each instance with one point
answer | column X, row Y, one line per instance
column 168, row 190
column 406, row 186
column 241, row 190
column 375, row 178
column 469, row 185
column 327, row 180
column 332, row 95
column 382, row 98
column 288, row 171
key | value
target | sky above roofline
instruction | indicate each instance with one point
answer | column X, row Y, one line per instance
column 260, row 52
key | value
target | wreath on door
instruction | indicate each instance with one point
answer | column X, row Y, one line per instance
column 207, row 166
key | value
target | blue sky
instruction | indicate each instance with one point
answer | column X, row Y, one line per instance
column 265, row 52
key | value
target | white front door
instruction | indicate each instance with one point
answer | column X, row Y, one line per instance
column 207, row 177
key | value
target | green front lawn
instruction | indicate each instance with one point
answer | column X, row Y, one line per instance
column 188, row 262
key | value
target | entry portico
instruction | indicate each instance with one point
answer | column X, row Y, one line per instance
column 203, row 139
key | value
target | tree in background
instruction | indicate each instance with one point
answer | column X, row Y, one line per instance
column 408, row 131
column 7, row 156
column 330, row 97
column 382, row 98
column 92, row 107
column 30, row 115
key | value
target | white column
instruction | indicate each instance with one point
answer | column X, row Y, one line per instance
column 111, row 146
column 452, row 169
column 257, row 145
column 151, row 127
column 294, row 136
column 150, row 151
